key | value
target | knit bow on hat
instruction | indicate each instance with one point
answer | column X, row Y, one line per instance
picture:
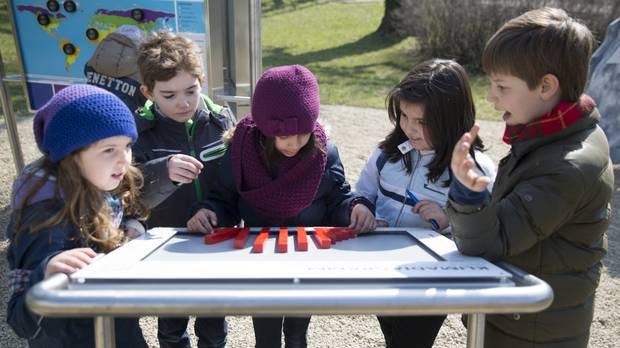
column 80, row 115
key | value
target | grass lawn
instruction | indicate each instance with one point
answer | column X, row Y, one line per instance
column 334, row 39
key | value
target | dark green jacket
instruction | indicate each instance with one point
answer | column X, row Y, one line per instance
column 547, row 214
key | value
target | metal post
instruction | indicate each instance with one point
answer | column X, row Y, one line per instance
column 475, row 330
column 11, row 125
column 255, row 44
column 104, row 332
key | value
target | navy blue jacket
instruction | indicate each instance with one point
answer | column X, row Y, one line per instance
column 158, row 139
column 30, row 253
column 331, row 205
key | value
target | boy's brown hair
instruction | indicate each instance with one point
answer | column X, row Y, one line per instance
column 164, row 55
column 539, row 42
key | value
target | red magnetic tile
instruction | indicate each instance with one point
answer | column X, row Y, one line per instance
column 302, row 239
column 260, row 240
column 332, row 235
column 321, row 239
column 221, row 234
column 342, row 235
column 345, row 233
column 282, row 243
column 241, row 238
column 335, row 235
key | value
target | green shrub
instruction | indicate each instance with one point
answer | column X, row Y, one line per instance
column 459, row 29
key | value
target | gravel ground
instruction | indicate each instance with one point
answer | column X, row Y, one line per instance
column 355, row 131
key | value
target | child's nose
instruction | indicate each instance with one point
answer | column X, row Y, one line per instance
column 490, row 97
column 293, row 146
column 183, row 102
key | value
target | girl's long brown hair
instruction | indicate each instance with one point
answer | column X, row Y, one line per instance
column 442, row 87
column 83, row 203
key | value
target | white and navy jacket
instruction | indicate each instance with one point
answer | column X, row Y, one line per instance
column 384, row 184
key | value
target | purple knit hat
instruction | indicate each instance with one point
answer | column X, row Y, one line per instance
column 78, row 116
column 286, row 101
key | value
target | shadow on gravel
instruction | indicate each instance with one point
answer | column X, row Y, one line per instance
column 20, row 118
column 612, row 260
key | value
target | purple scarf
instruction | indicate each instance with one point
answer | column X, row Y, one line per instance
column 295, row 185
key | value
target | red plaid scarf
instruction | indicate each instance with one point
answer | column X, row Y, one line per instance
column 562, row 116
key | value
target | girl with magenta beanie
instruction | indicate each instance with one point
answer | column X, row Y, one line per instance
column 281, row 170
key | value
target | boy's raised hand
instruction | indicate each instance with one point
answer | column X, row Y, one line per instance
column 183, row 168
column 69, row 261
column 463, row 165
column 203, row 221
column 362, row 219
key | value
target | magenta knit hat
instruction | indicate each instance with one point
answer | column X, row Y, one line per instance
column 286, row 101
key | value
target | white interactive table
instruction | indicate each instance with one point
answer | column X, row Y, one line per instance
column 392, row 271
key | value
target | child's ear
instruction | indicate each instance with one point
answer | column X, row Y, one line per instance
column 549, row 87
column 145, row 92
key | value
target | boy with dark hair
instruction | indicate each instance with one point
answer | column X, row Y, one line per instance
column 180, row 142
column 550, row 205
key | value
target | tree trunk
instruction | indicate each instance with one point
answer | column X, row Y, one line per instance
column 398, row 20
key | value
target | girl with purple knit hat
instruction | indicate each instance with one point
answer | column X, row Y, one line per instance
column 71, row 204
column 280, row 170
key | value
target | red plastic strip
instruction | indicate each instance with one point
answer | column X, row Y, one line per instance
column 241, row 238
column 321, row 239
column 302, row 239
column 282, row 243
column 221, row 234
column 260, row 240
column 344, row 233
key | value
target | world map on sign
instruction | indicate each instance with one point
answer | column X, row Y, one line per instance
column 55, row 43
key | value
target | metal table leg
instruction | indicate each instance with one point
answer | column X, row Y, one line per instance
column 104, row 332
column 475, row 330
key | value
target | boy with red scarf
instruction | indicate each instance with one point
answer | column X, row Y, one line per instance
column 281, row 170
column 550, row 205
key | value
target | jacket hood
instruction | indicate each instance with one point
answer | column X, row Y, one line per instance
column 207, row 111
column 117, row 54
column 29, row 177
